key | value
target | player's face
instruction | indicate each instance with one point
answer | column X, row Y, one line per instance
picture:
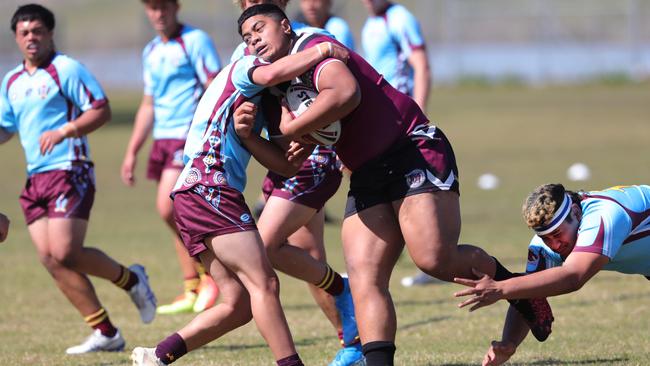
column 162, row 15
column 282, row 4
column 375, row 6
column 315, row 11
column 34, row 40
column 266, row 37
column 563, row 239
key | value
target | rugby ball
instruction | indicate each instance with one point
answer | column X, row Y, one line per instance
column 297, row 99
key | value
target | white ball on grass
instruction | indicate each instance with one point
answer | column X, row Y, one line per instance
column 578, row 172
column 488, row 181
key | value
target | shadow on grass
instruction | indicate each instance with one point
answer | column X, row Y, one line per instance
column 422, row 322
column 552, row 361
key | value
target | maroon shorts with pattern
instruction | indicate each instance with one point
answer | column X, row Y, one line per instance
column 205, row 212
column 59, row 193
column 423, row 162
column 317, row 181
column 165, row 154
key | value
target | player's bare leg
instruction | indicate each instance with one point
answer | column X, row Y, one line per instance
column 430, row 224
column 243, row 253
column 372, row 244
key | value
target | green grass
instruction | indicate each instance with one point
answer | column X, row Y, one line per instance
column 524, row 136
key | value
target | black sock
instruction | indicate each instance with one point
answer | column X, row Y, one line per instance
column 379, row 353
column 502, row 272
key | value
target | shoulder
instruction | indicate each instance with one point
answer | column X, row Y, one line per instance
column 11, row 75
column 398, row 15
column 337, row 23
column 191, row 34
column 67, row 66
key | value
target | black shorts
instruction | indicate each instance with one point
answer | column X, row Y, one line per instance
column 422, row 162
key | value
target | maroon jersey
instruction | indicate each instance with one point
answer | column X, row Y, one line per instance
column 383, row 117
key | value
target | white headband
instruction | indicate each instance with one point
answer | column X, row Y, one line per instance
column 557, row 219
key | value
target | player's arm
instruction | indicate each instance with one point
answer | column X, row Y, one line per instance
column 142, row 126
column 87, row 122
column 289, row 67
column 514, row 332
column 578, row 268
column 421, row 77
column 4, row 225
column 272, row 155
column 338, row 96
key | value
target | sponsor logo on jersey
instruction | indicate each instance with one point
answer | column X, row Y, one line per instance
column 415, row 178
column 43, row 91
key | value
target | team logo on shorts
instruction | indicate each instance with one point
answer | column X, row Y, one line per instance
column 193, row 176
column 415, row 178
column 178, row 158
column 320, row 159
column 245, row 218
column 219, row 178
column 61, row 204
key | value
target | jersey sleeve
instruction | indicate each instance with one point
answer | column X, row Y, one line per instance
column 7, row 118
column 204, row 57
column 147, row 78
column 405, row 29
column 310, row 78
column 81, row 87
column 541, row 257
column 603, row 228
column 242, row 75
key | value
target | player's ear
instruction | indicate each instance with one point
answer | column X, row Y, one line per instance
column 285, row 25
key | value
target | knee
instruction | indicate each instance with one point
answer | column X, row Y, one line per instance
column 54, row 261
column 271, row 285
column 439, row 265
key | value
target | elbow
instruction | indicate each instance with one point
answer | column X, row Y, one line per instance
column 268, row 77
column 351, row 98
column 575, row 283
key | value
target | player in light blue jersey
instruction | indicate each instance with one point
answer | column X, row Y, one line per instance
column 393, row 44
column 293, row 225
column 577, row 234
column 213, row 219
column 318, row 14
column 53, row 102
column 178, row 64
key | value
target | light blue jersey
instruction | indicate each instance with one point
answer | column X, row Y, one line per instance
column 615, row 223
column 214, row 154
column 174, row 74
column 56, row 93
column 298, row 28
column 388, row 41
column 340, row 31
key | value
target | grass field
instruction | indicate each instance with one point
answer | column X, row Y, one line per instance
column 524, row 136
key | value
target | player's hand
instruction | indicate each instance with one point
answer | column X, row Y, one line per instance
column 4, row 227
column 48, row 140
column 485, row 291
column 128, row 169
column 244, row 119
column 333, row 50
column 498, row 353
column 298, row 151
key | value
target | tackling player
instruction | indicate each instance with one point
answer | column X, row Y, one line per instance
column 577, row 234
column 214, row 221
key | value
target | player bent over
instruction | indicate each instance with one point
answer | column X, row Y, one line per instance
column 403, row 188
column 53, row 102
column 577, row 234
column 214, row 221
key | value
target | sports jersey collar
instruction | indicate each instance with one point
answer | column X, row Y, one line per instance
column 385, row 10
column 45, row 64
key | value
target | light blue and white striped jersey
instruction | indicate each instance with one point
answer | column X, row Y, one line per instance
column 388, row 40
column 615, row 223
column 174, row 74
column 56, row 93
column 338, row 28
column 214, row 154
column 297, row 27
